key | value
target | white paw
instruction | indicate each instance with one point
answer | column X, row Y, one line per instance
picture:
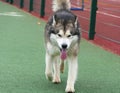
column 56, row 80
column 70, row 89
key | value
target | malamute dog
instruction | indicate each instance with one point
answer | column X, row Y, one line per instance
column 62, row 39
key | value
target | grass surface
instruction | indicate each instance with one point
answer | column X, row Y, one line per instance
column 22, row 60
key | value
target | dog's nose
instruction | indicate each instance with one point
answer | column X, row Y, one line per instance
column 64, row 46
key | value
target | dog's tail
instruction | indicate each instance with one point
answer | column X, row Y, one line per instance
column 61, row 4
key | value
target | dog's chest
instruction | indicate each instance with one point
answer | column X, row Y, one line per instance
column 53, row 50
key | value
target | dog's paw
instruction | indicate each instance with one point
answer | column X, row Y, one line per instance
column 70, row 89
column 49, row 76
column 56, row 80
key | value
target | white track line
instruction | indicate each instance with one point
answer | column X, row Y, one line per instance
column 108, row 14
column 100, row 12
column 10, row 14
column 104, row 13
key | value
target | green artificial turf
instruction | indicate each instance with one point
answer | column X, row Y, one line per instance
column 22, row 60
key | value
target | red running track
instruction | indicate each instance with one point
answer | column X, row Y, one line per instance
column 108, row 25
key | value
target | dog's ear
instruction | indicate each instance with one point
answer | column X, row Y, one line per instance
column 76, row 21
column 54, row 20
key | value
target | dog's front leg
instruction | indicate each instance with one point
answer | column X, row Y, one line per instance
column 48, row 69
column 72, row 74
column 56, row 66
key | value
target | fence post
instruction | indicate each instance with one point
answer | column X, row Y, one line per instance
column 92, row 19
column 21, row 3
column 31, row 6
column 7, row 0
column 42, row 9
column 11, row 1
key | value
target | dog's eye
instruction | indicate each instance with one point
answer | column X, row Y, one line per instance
column 59, row 35
column 69, row 36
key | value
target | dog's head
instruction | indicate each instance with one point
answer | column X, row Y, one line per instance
column 64, row 31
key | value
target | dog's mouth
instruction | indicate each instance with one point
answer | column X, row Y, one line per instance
column 63, row 54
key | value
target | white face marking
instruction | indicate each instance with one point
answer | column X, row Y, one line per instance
column 63, row 38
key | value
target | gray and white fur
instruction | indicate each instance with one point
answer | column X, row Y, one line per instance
column 62, row 33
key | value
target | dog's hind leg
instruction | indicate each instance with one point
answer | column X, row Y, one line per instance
column 48, row 69
column 56, row 66
column 62, row 66
column 72, row 74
